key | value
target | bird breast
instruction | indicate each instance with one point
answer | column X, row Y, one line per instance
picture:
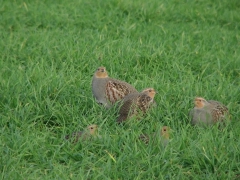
column 98, row 88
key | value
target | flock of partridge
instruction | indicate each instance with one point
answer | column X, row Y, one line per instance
column 108, row 91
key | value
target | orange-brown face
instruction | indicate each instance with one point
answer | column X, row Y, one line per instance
column 92, row 129
column 199, row 102
column 165, row 132
column 101, row 72
column 150, row 92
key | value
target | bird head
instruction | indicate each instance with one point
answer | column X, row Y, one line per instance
column 150, row 92
column 101, row 72
column 92, row 129
column 165, row 132
column 200, row 102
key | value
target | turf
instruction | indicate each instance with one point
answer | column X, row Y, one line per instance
column 49, row 51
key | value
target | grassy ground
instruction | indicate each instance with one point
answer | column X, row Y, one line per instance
column 49, row 51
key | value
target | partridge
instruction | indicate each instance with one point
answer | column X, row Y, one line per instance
column 107, row 90
column 163, row 136
column 136, row 103
column 207, row 112
column 89, row 132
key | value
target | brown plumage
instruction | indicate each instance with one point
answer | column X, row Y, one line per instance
column 107, row 90
column 89, row 132
column 163, row 136
column 136, row 103
column 207, row 112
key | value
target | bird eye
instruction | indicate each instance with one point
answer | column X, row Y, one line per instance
column 164, row 130
column 91, row 127
column 150, row 90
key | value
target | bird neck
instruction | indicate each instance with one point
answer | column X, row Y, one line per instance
column 151, row 95
column 165, row 136
column 101, row 75
column 204, row 107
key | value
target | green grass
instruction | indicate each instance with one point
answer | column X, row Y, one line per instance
column 49, row 51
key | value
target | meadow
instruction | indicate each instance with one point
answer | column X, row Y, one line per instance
column 49, row 51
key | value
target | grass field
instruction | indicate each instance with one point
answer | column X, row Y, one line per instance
column 49, row 51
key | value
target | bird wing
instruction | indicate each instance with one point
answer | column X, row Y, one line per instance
column 116, row 91
column 126, row 110
column 143, row 102
column 74, row 137
column 144, row 138
column 218, row 110
column 134, row 104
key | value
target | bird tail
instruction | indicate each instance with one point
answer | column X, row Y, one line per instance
column 122, row 118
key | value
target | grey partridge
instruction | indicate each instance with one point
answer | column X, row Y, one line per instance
column 207, row 112
column 108, row 91
column 163, row 136
column 89, row 132
column 136, row 103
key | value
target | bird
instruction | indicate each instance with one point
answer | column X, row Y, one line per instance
column 89, row 132
column 107, row 91
column 163, row 136
column 136, row 103
column 207, row 112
